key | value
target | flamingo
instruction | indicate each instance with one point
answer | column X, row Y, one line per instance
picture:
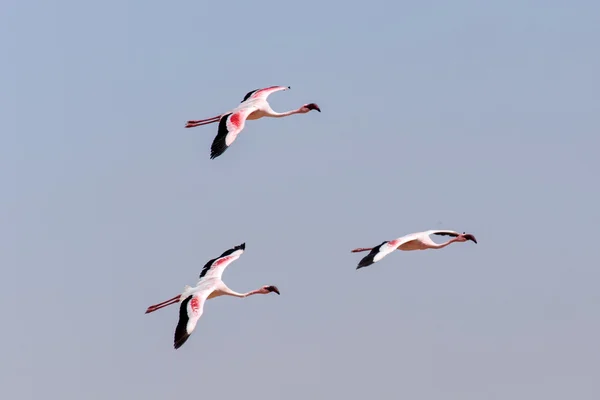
column 253, row 106
column 209, row 286
column 413, row 241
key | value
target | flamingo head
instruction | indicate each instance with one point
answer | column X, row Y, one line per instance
column 269, row 289
column 309, row 107
column 466, row 236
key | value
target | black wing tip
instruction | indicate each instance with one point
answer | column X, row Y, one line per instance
column 445, row 234
column 366, row 261
column 181, row 333
column 369, row 259
column 227, row 252
column 216, row 152
column 218, row 145
column 207, row 267
column 179, row 341
column 233, row 250
column 247, row 96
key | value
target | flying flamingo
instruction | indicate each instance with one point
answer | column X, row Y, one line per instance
column 253, row 106
column 209, row 286
column 413, row 241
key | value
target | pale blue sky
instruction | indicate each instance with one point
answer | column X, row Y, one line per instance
column 467, row 115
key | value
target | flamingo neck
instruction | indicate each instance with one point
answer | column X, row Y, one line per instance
column 228, row 292
column 274, row 114
column 441, row 246
column 253, row 292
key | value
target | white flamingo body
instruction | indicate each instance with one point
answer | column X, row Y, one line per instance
column 254, row 106
column 410, row 242
column 209, row 286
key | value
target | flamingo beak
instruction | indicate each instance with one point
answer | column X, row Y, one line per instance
column 468, row 236
column 273, row 289
column 313, row 106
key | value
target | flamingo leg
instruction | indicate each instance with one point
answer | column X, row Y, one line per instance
column 361, row 249
column 192, row 124
column 165, row 303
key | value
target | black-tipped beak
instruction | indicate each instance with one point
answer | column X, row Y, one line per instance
column 313, row 106
column 273, row 289
column 242, row 246
column 289, row 87
column 468, row 236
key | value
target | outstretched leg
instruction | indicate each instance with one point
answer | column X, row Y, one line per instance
column 165, row 303
column 192, row 124
column 361, row 249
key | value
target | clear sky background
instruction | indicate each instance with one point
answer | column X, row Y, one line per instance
column 467, row 115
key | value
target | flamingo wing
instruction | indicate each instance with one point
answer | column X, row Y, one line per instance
column 443, row 233
column 230, row 125
column 263, row 93
column 190, row 311
column 468, row 236
column 215, row 267
column 385, row 248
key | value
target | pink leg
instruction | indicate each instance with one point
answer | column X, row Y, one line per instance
column 192, row 124
column 165, row 303
column 188, row 125
column 361, row 249
column 203, row 120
